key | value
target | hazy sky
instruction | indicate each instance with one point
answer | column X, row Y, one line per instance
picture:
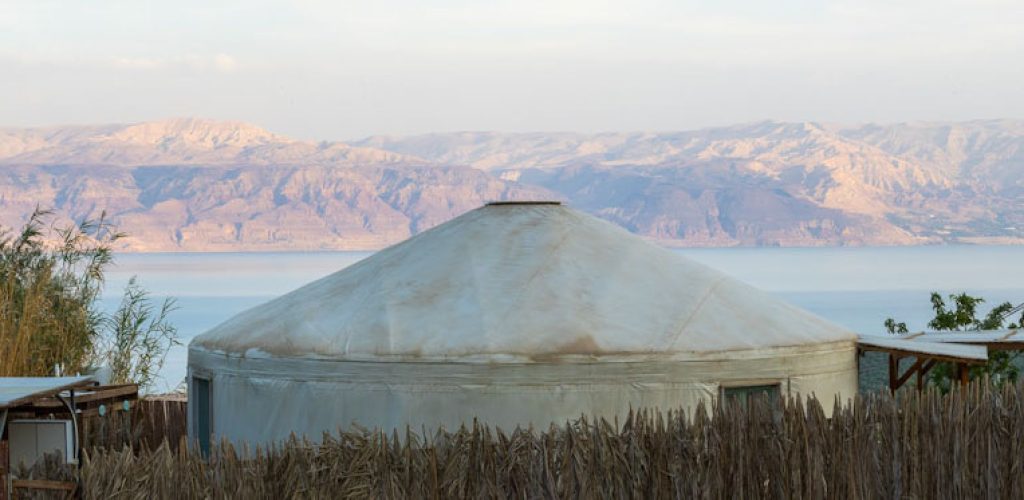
column 342, row 70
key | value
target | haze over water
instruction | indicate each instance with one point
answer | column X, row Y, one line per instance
column 854, row 286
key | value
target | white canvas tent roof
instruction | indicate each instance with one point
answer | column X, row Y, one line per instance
column 520, row 283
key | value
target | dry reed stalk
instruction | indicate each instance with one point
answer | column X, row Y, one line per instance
column 921, row 445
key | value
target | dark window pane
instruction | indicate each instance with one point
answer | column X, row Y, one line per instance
column 745, row 394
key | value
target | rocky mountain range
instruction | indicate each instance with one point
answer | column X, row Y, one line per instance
column 201, row 185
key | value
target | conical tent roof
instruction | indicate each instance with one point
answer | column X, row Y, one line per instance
column 521, row 283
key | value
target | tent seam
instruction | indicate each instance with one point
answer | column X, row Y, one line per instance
column 700, row 305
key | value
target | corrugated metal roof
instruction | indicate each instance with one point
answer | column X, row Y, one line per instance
column 968, row 337
column 16, row 391
column 953, row 351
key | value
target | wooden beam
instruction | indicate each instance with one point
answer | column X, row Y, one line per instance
column 928, row 366
column 41, row 484
column 126, row 391
column 964, row 374
column 95, row 411
column 910, row 372
column 46, row 393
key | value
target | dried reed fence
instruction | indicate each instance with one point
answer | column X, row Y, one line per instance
column 150, row 422
column 969, row 444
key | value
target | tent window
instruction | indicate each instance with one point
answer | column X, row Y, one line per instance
column 744, row 394
column 201, row 390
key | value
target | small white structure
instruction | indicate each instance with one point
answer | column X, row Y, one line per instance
column 515, row 314
column 26, row 440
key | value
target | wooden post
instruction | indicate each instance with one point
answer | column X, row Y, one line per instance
column 893, row 365
column 963, row 372
column 4, row 468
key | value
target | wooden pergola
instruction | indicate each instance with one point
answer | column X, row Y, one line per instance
column 927, row 352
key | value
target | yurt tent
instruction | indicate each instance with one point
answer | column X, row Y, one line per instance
column 515, row 314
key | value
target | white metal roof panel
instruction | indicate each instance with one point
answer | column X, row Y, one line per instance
column 15, row 391
column 968, row 337
column 939, row 349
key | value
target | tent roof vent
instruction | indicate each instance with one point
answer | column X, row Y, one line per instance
column 537, row 202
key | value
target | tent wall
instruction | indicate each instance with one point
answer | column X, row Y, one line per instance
column 260, row 400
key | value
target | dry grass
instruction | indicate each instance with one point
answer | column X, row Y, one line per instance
column 46, row 294
column 51, row 321
column 968, row 444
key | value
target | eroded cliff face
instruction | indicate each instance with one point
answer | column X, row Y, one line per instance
column 247, row 208
column 199, row 185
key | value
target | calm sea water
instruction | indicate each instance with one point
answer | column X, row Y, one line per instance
column 855, row 287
